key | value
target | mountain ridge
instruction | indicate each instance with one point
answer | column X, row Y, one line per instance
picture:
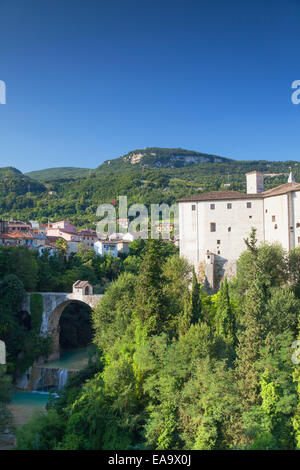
column 156, row 176
column 150, row 158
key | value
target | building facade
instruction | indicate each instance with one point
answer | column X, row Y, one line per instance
column 213, row 226
column 89, row 238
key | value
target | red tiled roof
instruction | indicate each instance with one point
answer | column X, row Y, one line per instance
column 14, row 235
column 219, row 196
column 229, row 195
column 282, row 189
column 87, row 233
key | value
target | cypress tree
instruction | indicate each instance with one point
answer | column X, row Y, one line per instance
column 195, row 300
column 225, row 320
column 150, row 302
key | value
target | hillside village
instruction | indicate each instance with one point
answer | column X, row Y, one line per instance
column 45, row 237
column 212, row 228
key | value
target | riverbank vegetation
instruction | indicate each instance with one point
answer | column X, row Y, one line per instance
column 179, row 369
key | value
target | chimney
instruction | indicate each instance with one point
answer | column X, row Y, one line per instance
column 291, row 177
column 255, row 182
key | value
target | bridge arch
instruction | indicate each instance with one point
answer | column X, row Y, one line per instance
column 54, row 325
column 54, row 304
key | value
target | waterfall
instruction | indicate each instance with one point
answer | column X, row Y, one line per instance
column 62, row 378
column 50, row 379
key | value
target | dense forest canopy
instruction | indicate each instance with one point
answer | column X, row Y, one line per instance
column 177, row 368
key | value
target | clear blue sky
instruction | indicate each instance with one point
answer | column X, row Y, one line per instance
column 90, row 80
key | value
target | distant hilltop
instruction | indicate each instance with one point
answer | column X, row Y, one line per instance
column 158, row 157
column 65, row 172
column 172, row 158
column 9, row 172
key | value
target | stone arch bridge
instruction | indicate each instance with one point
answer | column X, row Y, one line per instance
column 54, row 304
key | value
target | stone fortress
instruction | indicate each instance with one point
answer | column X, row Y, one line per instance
column 213, row 226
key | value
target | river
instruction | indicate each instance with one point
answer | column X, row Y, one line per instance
column 24, row 404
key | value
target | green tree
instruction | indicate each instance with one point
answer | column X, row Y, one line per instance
column 225, row 318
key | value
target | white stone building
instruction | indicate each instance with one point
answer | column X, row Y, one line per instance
column 111, row 247
column 213, row 226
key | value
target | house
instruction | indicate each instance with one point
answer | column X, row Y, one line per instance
column 64, row 230
column 64, row 225
column 111, row 247
column 37, row 228
column 122, row 246
column 17, row 226
column 20, row 239
column 216, row 223
column 82, row 288
column 89, row 237
column 106, row 247
column 130, row 237
column 72, row 245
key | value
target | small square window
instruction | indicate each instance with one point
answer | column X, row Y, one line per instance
column 212, row 206
column 219, row 252
column 249, row 205
column 266, row 211
column 273, row 218
column 193, row 207
column 229, row 205
column 212, row 227
column 297, row 224
column 229, row 229
column 275, row 226
column 218, row 242
column 250, row 216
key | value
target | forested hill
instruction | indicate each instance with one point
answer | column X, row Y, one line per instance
column 9, row 172
column 51, row 174
column 146, row 176
column 156, row 157
column 13, row 183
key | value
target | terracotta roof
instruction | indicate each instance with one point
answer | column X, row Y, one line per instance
column 81, row 284
column 228, row 195
column 219, row 196
column 20, row 235
column 61, row 230
column 282, row 189
column 87, row 233
column 17, row 222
